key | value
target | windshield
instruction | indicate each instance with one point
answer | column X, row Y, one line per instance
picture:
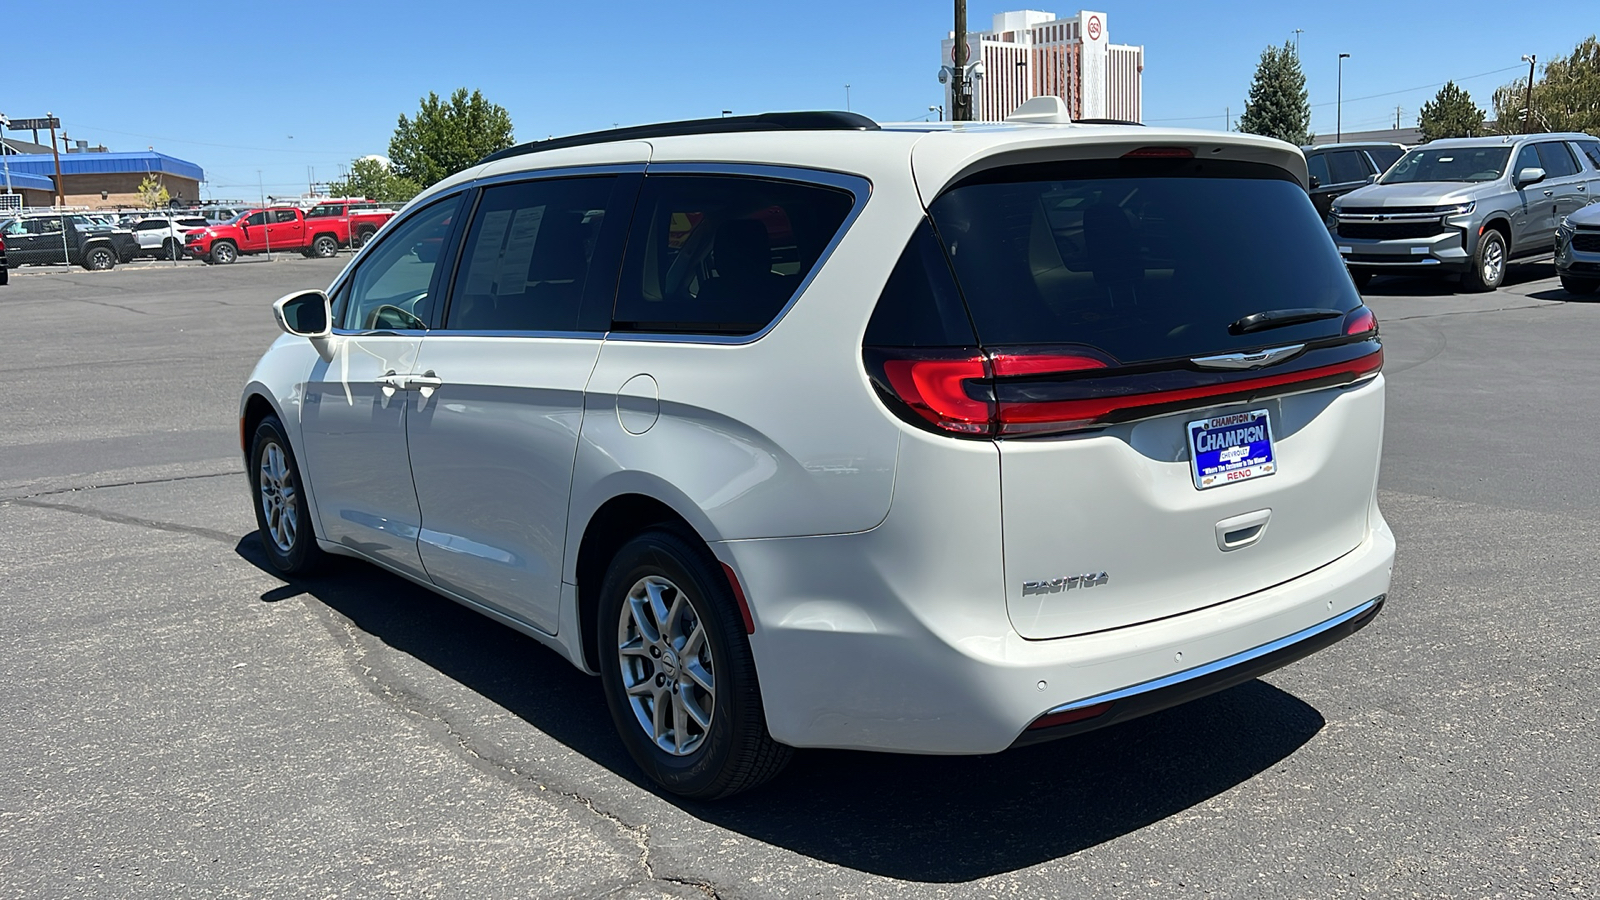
column 239, row 217
column 1143, row 268
column 1449, row 164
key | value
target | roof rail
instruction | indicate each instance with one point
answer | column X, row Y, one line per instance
column 778, row 121
column 1106, row 122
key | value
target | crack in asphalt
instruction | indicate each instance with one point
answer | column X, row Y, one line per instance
column 120, row 519
column 346, row 633
column 116, row 484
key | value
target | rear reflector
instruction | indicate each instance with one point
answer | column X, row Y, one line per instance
column 1070, row 716
column 738, row 595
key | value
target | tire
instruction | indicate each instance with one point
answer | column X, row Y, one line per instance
column 224, row 253
column 170, row 249
column 1361, row 278
column 663, row 575
column 1488, row 270
column 324, row 246
column 360, row 238
column 5, row 274
column 99, row 259
column 282, row 520
column 1575, row 285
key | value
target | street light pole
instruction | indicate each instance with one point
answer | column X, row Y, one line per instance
column 1338, row 106
column 1297, row 33
column 1527, row 96
column 960, row 99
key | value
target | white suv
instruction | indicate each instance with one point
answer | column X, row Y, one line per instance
column 805, row 432
column 162, row 237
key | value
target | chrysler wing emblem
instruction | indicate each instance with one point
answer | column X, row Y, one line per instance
column 1254, row 360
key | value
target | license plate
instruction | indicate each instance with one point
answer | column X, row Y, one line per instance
column 1230, row 448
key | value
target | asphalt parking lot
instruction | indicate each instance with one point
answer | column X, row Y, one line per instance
column 177, row 722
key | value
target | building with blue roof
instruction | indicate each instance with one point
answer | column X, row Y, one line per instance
column 107, row 180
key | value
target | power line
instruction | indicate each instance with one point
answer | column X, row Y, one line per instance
column 1422, row 87
column 157, row 137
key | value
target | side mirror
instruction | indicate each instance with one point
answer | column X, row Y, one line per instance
column 306, row 314
column 1315, row 182
column 1530, row 175
column 1373, row 178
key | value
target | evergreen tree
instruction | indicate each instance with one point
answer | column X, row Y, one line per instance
column 1451, row 113
column 448, row 136
column 372, row 178
column 1278, row 106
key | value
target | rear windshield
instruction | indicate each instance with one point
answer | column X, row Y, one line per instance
column 1153, row 262
column 1449, row 164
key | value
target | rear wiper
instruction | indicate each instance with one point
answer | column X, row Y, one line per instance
column 1280, row 318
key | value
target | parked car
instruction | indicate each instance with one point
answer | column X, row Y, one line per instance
column 65, row 238
column 730, row 431
column 1467, row 206
column 1578, row 245
column 282, row 228
column 163, row 237
column 354, row 222
column 1338, row 169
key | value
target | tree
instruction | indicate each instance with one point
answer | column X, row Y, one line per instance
column 1278, row 106
column 447, row 137
column 1451, row 113
column 372, row 178
column 153, row 194
column 1567, row 98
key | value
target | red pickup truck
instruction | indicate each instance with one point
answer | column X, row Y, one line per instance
column 282, row 228
column 353, row 219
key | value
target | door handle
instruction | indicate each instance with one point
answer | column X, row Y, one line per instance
column 392, row 381
column 1549, row 193
column 1583, row 187
column 425, row 380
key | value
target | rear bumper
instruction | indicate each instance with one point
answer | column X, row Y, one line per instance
column 849, row 658
column 1181, row 687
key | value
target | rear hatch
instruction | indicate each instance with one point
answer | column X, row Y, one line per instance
column 1124, row 319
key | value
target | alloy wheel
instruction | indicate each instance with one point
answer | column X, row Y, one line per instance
column 1494, row 262
column 668, row 671
column 280, row 499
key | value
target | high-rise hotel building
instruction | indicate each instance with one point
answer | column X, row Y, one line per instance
column 1030, row 53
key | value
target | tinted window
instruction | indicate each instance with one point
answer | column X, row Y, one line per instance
column 920, row 305
column 1556, row 159
column 1384, row 157
column 1143, row 261
column 149, row 225
column 1449, row 164
column 1317, row 166
column 1591, row 149
column 324, row 211
column 1527, row 158
column 1347, row 166
column 391, row 289
column 721, row 254
column 286, row 215
column 259, row 218
column 526, row 258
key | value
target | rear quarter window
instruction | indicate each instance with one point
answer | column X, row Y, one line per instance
column 722, row 254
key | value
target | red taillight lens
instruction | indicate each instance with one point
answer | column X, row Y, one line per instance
column 1360, row 321
column 937, row 390
column 1159, row 153
column 1070, row 716
column 1016, row 363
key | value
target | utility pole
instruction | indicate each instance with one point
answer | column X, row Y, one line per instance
column 1338, row 115
column 847, row 98
column 1527, row 96
column 960, row 88
column 1297, row 33
column 1397, row 118
column 61, row 194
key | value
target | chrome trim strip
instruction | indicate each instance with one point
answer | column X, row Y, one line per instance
column 1410, row 263
column 486, row 333
column 1256, row 360
column 1392, row 217
column 1217, row 666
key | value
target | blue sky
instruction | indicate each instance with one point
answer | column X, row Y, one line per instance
column 289, row 88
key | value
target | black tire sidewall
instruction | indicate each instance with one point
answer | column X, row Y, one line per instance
column 321, row 244
column 304, row 553
column 703, row 773
column 99, row 252
column 223, row 253
column 1475, row 280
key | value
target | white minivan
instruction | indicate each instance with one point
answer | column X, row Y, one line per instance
column 803, row 431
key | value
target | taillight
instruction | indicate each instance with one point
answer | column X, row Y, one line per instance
column 937, row 389
column 1360, row 321
column 1015, row 392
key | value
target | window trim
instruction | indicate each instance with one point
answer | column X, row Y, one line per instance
column 452, row 241
column 859, row 188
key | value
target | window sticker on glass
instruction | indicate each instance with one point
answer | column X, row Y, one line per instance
column 480, row 270
column 513, row 275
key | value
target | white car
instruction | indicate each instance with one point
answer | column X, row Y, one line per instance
column 800, row 431
column 162, row 237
